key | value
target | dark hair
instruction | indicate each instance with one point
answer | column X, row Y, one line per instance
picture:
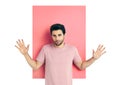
column 57, row 27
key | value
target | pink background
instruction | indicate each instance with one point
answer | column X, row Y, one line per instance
column 74, row 19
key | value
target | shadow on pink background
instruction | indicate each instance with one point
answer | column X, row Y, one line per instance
column 74, row 20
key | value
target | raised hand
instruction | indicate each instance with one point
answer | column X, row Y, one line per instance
column 99, row 52
column 21, row 47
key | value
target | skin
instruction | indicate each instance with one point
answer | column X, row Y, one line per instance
column 58, row 40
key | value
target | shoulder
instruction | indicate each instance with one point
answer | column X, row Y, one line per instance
column 47, row 46
column 71, row 46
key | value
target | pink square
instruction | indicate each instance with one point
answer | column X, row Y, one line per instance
column 74, row 20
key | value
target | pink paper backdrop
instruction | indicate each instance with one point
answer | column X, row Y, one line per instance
column 74, row 19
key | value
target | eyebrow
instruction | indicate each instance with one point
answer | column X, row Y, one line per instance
column 55, row 35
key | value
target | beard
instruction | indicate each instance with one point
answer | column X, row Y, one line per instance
column 58, row 42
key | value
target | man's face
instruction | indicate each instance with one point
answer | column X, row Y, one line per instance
column 58, row 37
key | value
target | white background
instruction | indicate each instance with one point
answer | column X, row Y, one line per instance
column 102, row 27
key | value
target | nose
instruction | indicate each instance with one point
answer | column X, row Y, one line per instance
column 56, row 38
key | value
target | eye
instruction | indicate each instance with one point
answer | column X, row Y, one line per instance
column 59, row 34
column 54, row 35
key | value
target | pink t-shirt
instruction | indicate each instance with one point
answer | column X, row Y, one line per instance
column 58, row 63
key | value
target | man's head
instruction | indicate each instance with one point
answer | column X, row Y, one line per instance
column 57, row 32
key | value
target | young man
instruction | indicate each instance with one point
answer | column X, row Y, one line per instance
column 58, row 57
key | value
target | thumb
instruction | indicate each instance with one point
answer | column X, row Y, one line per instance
column 28, row 47
column 93, row 51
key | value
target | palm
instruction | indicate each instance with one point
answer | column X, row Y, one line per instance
column 21, row 47
column 99, row 52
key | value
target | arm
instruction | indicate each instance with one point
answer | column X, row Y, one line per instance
column 24, row 50
column 96, row 54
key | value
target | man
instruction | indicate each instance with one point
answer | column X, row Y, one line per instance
column 58, row 57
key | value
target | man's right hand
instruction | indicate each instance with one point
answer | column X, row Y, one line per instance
column 21, row 47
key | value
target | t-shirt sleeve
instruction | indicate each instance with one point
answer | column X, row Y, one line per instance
column 77, row 57
column 41, row 56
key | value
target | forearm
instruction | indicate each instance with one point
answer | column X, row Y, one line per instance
column 30, row 61
column 96, row 54
column 24, row 50
column 87, row 63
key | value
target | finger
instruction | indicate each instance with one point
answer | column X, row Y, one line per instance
column 22, row 41
column 93, row 51
column 103, row 49
column 17, row 47
column 18, row 43
column 19, row 40
column 98, row 47
column 103, row 52
column 28, row 47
